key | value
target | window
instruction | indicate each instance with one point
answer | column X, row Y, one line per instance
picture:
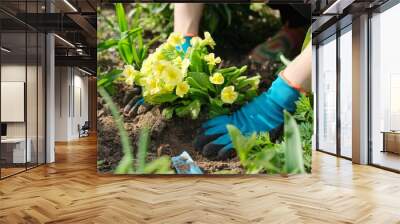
column 346, row 92
column 327, row 95
column 385, row 89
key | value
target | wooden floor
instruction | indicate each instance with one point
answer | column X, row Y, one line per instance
column 70, row 191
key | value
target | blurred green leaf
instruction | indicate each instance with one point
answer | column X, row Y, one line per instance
column 142, row 149
column 107, row 78
column 307, row 39
column 292, row 146
column 107, row 44
column 120, row 12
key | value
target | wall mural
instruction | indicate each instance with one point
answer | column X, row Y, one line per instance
column 205, row 92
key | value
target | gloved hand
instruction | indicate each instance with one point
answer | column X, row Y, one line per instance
column 185, row 45
column 263, row 113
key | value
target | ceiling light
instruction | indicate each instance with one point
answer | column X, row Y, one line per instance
column 84, row 71
column 5, row 50
column 64, row 40
column 337, row 7
column 70, row 5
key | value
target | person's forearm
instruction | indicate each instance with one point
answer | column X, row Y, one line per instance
column 187, row 18
column 299, row 71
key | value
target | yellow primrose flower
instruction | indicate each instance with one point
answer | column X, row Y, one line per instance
column 147, row 66
column 217, row 78
column 153, row 85
column 211, row 59
column 208, row 40
column 194, row 41
column 228, row 94
column 158, row 55
column 176, row 39
column 171, row 75
column 185, row 66
column 158, row 67
column 182, row 88
column 129, row 74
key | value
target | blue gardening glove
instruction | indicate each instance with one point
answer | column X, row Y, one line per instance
column 263, row 113
column 185, row 45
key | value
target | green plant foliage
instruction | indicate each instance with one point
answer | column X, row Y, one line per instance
column 258, row 154
column 127, row 40
column 161, row 165
column 292, row 146
column 187, row 82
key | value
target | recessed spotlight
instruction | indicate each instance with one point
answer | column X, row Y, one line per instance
column 70, row 5
column 5, row 50
column 64, row 40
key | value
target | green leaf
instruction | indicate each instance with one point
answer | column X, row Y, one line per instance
column 131, row 33
column 227, row 70
column 202, row 79
column 168, row 112
column 292, row 146
column 126, row 164
column 142, row 149
column 159, row 166
column 192, row 110
column 107, row 44
column 307, row 39
column 242, row 144
column 196, row 62
column 125, row 51
column 120, row 12
column 108, row 78
column 216, row 107
column 194, row 84
column 164, row 98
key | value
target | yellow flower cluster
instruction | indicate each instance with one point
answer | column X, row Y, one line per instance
column 212, row 60
column 130, row 74
column 165, row 70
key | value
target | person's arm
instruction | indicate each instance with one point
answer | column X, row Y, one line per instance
column 298, row 73
column 187, row 18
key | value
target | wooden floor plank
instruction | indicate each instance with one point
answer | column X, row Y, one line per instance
column 71, row 191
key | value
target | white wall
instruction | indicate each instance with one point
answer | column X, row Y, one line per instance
column 70, row 83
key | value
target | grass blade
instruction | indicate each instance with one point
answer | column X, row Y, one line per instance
column 126, row 164
column 142, row 149
column 122, row 23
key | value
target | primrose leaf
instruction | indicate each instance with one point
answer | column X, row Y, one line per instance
column 125, row 51
column 292, row 146
column 202, row 79
column 168, row 112
column 192, row 109
column 164, row 98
